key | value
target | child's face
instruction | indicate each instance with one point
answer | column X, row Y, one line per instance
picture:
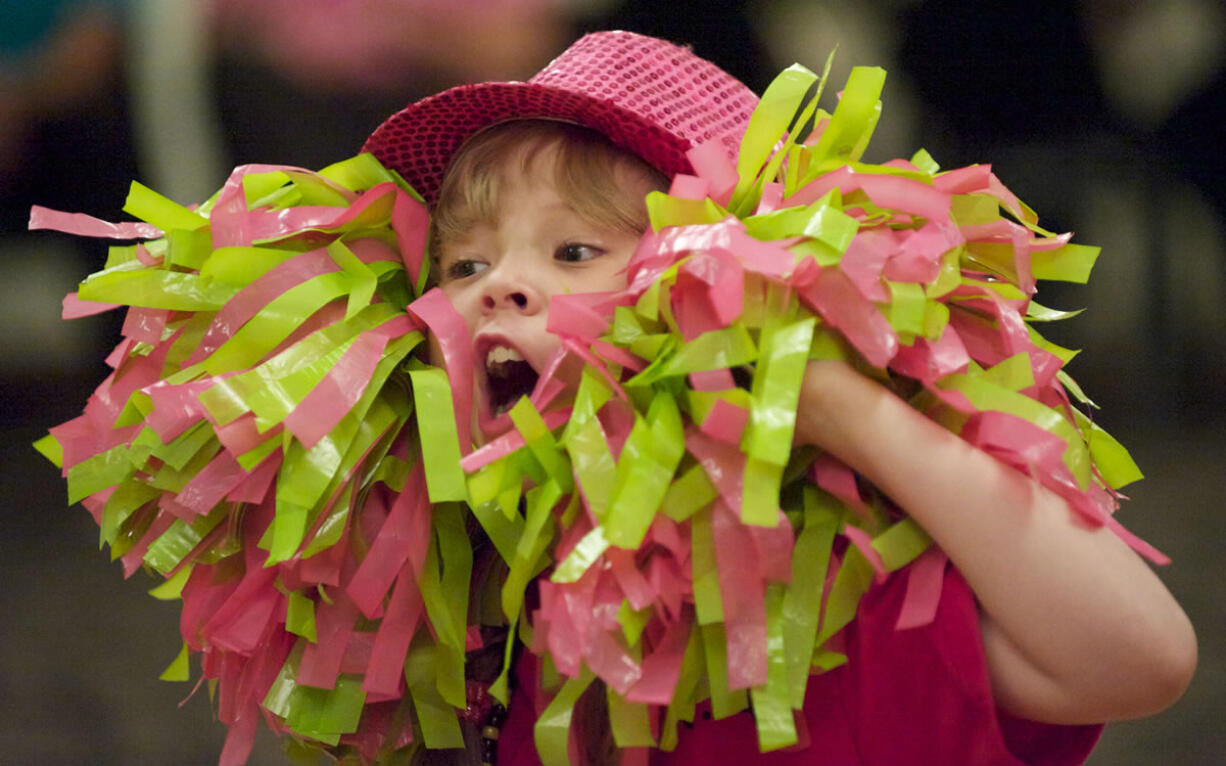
column 500, row 276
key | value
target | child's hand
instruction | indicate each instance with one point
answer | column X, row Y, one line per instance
column 1076, row 627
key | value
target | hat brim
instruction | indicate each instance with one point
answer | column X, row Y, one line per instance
column 419, row 140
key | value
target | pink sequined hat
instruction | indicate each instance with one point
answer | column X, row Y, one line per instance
column 648, row 96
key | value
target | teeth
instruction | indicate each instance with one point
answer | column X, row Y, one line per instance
column 509, row 376
column 500, row 354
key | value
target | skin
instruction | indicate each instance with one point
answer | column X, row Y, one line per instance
column 1076, row 627
column 500, row 275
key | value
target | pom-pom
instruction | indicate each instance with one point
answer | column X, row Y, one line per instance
column 269, row 442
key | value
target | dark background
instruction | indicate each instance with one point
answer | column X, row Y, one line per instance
column 1101, row 114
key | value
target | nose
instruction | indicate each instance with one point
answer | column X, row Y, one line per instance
column 509, row 288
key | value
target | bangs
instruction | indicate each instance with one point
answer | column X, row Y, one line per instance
column 589, row 176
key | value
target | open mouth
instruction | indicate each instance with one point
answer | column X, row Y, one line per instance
column 509, row 377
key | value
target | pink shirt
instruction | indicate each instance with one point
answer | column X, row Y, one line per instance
column 917, row 696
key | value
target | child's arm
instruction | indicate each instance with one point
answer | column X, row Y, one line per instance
column 1076, row 627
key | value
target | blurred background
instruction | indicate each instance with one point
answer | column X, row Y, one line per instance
column 1103, row 115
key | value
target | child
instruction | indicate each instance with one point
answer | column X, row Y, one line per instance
column 671, row 540
column 1075, row 628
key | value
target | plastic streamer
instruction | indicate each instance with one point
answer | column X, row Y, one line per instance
column 274, row 444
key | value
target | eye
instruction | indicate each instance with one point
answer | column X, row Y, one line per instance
column 574, row 252
column 462, row 268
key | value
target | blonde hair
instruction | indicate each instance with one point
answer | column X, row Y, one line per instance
column 589, row 175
